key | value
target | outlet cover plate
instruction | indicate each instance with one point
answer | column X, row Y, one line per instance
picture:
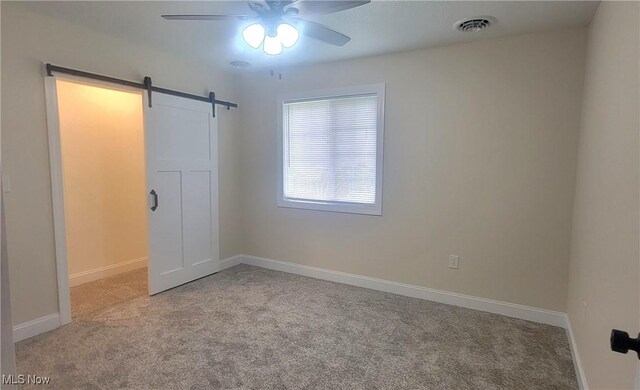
column 454, row 261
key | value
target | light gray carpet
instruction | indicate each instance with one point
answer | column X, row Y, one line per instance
column 100, row 294
column 248, row 327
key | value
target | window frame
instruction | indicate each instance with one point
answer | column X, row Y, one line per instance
column 332, row 206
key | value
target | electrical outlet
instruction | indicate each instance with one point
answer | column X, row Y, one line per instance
column 454, row 261
column 584, row 311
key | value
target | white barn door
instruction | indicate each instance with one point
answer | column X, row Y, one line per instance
column 181, row 141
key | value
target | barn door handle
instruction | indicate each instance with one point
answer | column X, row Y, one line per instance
column 155, row 200
column 622, row 343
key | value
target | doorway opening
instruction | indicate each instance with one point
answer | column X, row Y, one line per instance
column 102, row 158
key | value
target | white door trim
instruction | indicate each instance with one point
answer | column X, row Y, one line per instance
column 57, row 187
column 57, row 199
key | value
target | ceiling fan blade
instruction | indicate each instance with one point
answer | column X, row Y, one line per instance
column 207, row 17
column 322, row 33
column 323, row 7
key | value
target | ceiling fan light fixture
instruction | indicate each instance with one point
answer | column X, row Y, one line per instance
column 254, row 35
column 271, row 25
column 287, row 34
column 272, row 45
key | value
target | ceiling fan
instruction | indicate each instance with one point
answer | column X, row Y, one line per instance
column 278, row 24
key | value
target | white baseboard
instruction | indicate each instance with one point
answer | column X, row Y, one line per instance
column 231, row 261
column 50, row 322
column 498, row 307
column 582, row 379
column 103, row 272
column 35, row 327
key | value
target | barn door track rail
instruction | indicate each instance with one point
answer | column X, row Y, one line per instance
column 146, row 85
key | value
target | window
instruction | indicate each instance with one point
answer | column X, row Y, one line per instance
column 330, row 150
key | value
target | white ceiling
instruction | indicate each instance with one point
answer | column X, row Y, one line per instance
column 376, row 28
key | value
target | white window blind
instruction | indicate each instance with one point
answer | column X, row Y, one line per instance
column 330, row 150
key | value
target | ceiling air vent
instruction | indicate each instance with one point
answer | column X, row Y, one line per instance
column 474, row 24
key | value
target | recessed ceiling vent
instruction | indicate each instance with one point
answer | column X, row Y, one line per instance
column 478, row 23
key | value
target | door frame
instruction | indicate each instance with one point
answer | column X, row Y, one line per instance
column 57, row 183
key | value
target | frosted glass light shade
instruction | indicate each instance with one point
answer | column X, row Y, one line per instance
column 287, row 34
column 254, row 35
column 272, row 45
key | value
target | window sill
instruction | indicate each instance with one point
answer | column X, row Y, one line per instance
column 336, row 207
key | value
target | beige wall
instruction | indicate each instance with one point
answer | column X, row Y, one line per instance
column 479, row 161
column 29, row 39
column 605, row 252
column 102, row 140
